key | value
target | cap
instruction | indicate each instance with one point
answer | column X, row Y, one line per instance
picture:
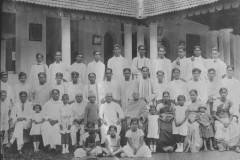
column 91, row 94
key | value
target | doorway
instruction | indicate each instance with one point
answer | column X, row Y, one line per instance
column 53, row 38
column 108, row 47
column 191, row 41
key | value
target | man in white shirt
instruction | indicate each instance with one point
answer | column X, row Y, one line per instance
column 127, row 87
column 37, row 68
column 183, row 64
column 111, row 114
column 198, row 61
column 80, row 67
column 161, row 63
column 41, row 92
column 60, row 85
column 177, row 86
column 58, row 66
column 74, row 86
column 139, row 62
column 117, row 63
column 50, row 128
column 21, row 114
column 92, row 86
column 96, row 67
column 109, row 86
column 6, row 86
column 216, row 63
column 78, row 109
column 233, row 86
column 22, row 85
column 198, row 84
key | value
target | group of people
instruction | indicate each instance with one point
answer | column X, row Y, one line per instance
column 129, row 109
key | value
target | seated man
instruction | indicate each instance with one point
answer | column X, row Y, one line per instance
column 50, row 128
column 21, row 113
column 111, row 114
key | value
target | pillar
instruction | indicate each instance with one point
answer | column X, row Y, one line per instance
column 128, row 41
column 237, row 56
column 66, row 40
column 153, row 40
column 212, row 41
column 224, row 44
column 3, row 55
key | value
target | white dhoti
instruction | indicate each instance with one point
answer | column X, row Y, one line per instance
column 74, row 130
column 144, row 151
column 51, row 134
column 18, row 133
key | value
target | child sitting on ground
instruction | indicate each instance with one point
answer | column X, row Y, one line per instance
column 136, row 146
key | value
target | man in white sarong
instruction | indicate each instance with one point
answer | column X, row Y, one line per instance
column 197, row 61
column 58, row 66
column 109, row 86
column 139, row 62
column 21, row 114
column 37, row 68
column 198, row 84
column 74, row 86
column 6, row 86
column 60, row 85
column 111, row 114
column 233, row 86
column 22, row 85
column 159, row 86
column 92, row 86
column 96, row 67
column 50, row 128
column 183, row 64
column 216, row 63
column 78, row 109
column 41, row 92
column 145, row 85
column 161, row 63
column 128, row 86
column 5, row 118
column 117, row 63
column 80, row 67
column 177, row 86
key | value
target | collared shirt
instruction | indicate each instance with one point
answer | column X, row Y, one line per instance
column 98, row 68
column 58, row 67
column 22, row 110
column 51, row 110
column 81, row 68
column 164, row 65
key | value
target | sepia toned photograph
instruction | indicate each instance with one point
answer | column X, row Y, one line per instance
column 120, row 80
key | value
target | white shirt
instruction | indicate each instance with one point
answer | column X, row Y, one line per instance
column 117, row 64
column 201, row 88
column 19, row 112
column 41, row 93
column 111, row 113
column 183, row 65
column 81, row 68
column 218, row 65
column 73, row 89
column 58, row 67
column 19, row 87
column 109, row 87
column 8, row 88
column 61, row 87
column 78, row 109
column 159, row 88
column 51, row 110
column 200, row 63
column 35, row 69
column 164, row 65
column 5, row 108
column 138, row 63
column 98, row 68
column 178, row 87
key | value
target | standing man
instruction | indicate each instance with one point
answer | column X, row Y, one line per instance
column 139, row 62
column 92, row 86
column 37, row 68
column 96, row 67
column 216, row 63
column 58, row 66
column 80, row 67
column 198, row 61
column 50, row 128
column 6, row 86
column 117, row 63
column 161, row 63
column 22, row 85
column 111, row 114
column 183, row 64
column 41, row 92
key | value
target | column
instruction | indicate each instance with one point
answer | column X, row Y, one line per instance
column 224, row 44
column 237, row 57
column 128, row 41
column 66, row 40
column 3, row 55
column 153, row 40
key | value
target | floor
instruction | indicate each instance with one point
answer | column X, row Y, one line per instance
column 215, row 155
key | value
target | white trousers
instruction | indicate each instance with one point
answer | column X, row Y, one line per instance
column 74, row 130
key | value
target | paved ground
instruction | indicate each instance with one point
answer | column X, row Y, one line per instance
column 215, row 155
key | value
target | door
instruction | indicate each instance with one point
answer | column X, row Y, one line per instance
column 108, row 47
column 191, row 41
